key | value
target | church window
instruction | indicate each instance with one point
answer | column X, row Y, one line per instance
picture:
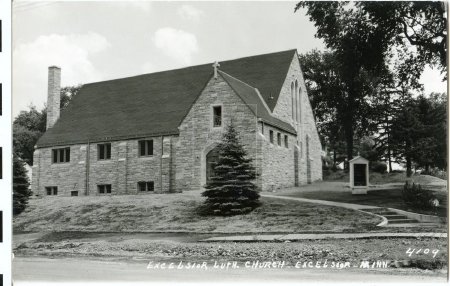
column 145, row 148
column 286, row 143
column 296, row 101
column 271, row 136
column 61, row 155
column 299, row 104
column 217, row 116
column 104, row 151
column 146, row 186
column 104, row 189
column 51, row 191
column 293, row 102
column 279, row 138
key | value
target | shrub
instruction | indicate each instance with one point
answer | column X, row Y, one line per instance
column 378, row 167
column 436, row 172
column 415, row 196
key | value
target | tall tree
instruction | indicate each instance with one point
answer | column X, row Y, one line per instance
column 231, row 190
column 29, row 125
column 359, row 55
column 421, row 24
column 21, row 193
column 419, row 133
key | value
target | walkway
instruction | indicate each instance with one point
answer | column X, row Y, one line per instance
column 390, row 217
column 314, row 236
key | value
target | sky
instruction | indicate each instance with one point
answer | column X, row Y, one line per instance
column 95, row 41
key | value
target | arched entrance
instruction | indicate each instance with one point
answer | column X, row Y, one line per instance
column 211, row 158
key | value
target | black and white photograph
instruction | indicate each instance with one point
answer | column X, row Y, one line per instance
column 229, row 142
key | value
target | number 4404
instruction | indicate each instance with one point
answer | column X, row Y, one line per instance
column 428, row 251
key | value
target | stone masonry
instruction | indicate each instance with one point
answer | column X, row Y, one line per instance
column 178, row 162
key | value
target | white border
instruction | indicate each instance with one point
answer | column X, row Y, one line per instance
column 6, row 142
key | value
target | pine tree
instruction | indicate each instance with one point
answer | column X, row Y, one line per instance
column 21, row 193
column 231, row 190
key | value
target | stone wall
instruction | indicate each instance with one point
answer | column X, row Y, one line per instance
column 278, row 169
column 305, row 125
column 198, row 136
column 123, row 171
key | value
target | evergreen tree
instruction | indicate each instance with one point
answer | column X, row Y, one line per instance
column 231, row 190
column 21, row 193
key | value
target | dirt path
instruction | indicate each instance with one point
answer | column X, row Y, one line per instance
column 73, row 270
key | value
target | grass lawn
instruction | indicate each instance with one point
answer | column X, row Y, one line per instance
column 179, row 213
column 382, row 198
column 386, row 178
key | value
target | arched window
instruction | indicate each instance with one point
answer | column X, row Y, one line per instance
column 297, row 102
column 299, row 90
column 293, row 101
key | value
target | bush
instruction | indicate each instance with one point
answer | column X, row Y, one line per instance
column 415, row 196
column 378, row 167
column 436, row 172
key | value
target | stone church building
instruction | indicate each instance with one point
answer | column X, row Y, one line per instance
column 158, row 132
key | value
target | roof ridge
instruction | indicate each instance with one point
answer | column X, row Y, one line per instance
column 187, row 67
column 256, row 89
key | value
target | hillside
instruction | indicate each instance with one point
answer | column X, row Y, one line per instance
column 178, row 213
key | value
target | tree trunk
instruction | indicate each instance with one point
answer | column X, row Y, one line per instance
column 334, row 159
column 388, row 145
column 408, row 167
column 349, row 142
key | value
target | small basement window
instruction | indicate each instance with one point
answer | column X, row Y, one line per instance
column 61, row 155
column 104, row 189
column 217, row 116
column 104, row 151
column 51, row 191
column 146, row 186
column 145, row 148
column 271, row 136
column 279, row 138
column 74, row 193
column 286, row 141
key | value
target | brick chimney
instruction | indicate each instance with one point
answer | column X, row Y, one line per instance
column 54, row 96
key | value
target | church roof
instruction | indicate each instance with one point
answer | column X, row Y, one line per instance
column 255, row 102
column 155, row 104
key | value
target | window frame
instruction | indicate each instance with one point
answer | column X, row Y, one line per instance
column 60, row 155
column 213, row 121
column 105, row 152
column 279, row 138
column 146, row 147
column 286, row 141
column 144, row 186
column 104, row 189
column 271, row 136
column 51, row 190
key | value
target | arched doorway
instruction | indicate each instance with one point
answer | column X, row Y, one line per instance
column 211, row 158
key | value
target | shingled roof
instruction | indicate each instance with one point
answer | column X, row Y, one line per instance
column 251, row 96
column 156, row 103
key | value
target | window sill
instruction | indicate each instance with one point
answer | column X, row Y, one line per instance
column 147, row 157
column 61, row 163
